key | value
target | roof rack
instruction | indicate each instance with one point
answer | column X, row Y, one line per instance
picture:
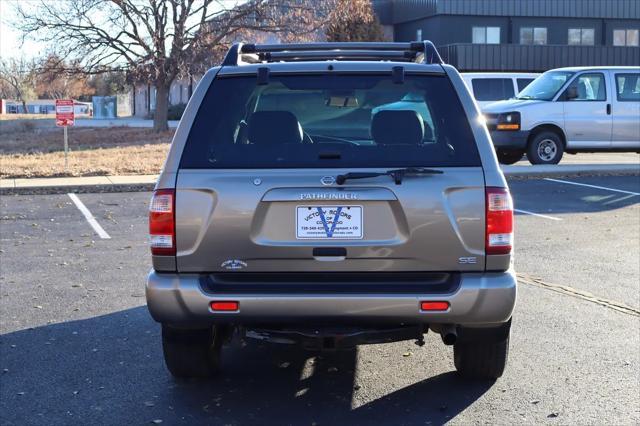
column 416, row 51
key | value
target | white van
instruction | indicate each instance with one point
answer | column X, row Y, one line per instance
column 489, row 87
column 577, row 109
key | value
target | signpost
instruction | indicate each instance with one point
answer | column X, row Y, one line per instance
column 65, row 118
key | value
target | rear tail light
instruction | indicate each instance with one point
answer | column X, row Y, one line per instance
column 162, row 224
column 224, row 306
column 434, row 306
column 499, row 232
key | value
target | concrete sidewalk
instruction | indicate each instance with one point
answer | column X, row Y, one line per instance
column 147, row 182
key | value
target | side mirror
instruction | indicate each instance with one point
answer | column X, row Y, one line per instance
column 571, row 93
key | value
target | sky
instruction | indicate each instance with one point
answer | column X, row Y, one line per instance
column 10, row 38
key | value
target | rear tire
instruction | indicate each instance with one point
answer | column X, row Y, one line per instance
column 481, row 359
column 192, row 353
column 509, row 156
column 545, row 148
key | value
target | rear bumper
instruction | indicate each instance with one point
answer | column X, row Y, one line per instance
column 479, row 299
column 509, row 139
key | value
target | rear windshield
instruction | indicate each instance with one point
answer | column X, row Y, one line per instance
column 492, row 89
column 330, row 120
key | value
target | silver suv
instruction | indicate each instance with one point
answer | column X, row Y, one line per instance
column 331, row 195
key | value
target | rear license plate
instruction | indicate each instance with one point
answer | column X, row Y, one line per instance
column 329, row 222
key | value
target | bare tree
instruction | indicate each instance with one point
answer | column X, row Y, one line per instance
column 18, row 76
column 354, row 20
column 59, row 80
column 157, row 39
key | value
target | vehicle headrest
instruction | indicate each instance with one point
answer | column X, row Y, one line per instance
column 397, row 127
column 274, row 128
column 582, row 90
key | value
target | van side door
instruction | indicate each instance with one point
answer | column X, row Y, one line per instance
column 625, row 109
column 587, row 111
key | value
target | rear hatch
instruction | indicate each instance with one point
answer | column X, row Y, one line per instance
column 260, row 182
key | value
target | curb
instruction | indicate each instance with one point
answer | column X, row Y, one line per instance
column 570, row 170
column 148, row 182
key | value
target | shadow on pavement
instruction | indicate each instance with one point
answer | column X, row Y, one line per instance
column 551, row 198
column 109, row 370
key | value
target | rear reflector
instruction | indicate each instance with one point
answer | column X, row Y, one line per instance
column 499, row 230
column 162, row 232
column 224, row 306
column 434, row 306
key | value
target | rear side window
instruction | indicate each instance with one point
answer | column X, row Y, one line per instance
column 628, row 87
column 523, row 82
column 330, row 120
column 492, row 89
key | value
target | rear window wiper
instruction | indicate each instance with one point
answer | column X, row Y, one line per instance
column 396, row 174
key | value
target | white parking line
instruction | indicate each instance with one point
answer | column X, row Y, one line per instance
column 87, row 214
column 544, row 216
column 592, row 186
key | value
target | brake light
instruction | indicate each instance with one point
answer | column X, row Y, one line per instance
column 224, row 306
column 434, row 306
column 162, row 227
column 499, row 230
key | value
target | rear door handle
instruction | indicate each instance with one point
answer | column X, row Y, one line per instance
column 608, row 109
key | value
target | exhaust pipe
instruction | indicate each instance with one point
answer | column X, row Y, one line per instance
column 449, row 334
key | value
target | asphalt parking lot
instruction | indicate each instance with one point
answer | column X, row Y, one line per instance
column 77, row 345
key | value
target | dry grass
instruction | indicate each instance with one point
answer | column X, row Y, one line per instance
column 93, row 151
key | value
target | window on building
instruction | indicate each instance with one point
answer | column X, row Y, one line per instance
column 523, row 82
column 492, row 89
column 626, row 37
column 419, row 34
column 485, row 35
column 589, row 87
column 533, row 35
column 581, row 36
column 628, row 87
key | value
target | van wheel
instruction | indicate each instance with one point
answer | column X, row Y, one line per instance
column 545, row 148
column 192, row 353
column 481, row 359
column 509, row 156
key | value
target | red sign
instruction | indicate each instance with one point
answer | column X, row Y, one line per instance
column 64, row 112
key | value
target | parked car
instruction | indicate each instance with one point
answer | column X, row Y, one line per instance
column 289, row 211
column 489, row 87
column 580, row 109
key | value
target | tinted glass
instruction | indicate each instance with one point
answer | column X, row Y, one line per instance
column 479, row 35
column 546, row 86
column 330, row 121
column 539, row 36
column 633, row 38
column 588, row 36
column 589, row 87
column 619, row 37
column 526, row 35
column 575, row 37
column 628, row 87
column 523, row 82
column 493, row 35
column 492, row 89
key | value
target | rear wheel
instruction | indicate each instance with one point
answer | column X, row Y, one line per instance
column 192, row 353
column 481, row 359
column 509, row 156
column 545, row 148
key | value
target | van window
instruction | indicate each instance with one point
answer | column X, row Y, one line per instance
column 492, row 89
column 628, row 87
column 546, row 86
column 590, row 87
column 523, row 82
column 340, row 120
